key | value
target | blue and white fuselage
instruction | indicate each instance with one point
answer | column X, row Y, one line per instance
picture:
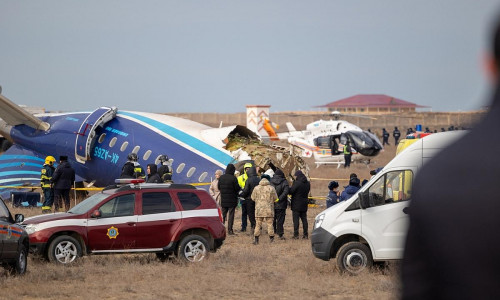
column 196, row 150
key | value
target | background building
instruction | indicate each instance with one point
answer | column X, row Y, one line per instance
column 372, row 104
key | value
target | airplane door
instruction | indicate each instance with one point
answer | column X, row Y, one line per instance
column 385, row 223
column 116, row 229
column 86, row 133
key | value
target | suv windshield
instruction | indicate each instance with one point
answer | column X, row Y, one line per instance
column 88, row 203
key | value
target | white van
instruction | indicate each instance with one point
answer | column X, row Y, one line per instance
column 372, row 224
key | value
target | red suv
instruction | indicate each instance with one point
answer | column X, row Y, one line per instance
column 159, row 218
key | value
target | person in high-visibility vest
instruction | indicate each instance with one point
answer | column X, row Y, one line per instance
column 241, row 181
column 347, row 155
column 48, row 191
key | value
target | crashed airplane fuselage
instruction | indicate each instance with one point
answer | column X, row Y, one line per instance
column 97, row 144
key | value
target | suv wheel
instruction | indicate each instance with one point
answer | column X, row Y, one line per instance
column 19, row 266
column 64, row 250
column 354, row 258
column 193, row 248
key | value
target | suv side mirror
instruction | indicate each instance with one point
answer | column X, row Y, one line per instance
column 364, row 200
column 96, row 214
column 19, row 218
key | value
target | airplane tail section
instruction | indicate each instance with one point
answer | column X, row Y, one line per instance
column 13, row 115
column 290, row 127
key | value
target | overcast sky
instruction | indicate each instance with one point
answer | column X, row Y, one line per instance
column 218, row 56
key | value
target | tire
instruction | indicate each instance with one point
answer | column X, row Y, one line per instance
column 64, row 250
column 19, row 266
column 193, row 248
column 162, row 256
column 354, row 258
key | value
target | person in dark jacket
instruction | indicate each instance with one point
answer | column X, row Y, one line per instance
column 153, row 176
column 300, row 193
column 333, row 194
column 251, row 182
column 385, row 137
column 280, row 183
column 164, row 171
column 229, row 189
column 351, row 189
column 451, row 247
column 63, row 179
column 241, row 181
column 396, row 134
column 132, row 168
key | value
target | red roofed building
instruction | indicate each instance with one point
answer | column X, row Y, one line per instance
column 372, row 104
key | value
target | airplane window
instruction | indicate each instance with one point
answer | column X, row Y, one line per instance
column 157, row 160
column 101, row 138
column 124, row 146
column 202, row 177
column 181, row 167
column 146, row 155
column 191, row 172
column 112, row 142
column 136, row 149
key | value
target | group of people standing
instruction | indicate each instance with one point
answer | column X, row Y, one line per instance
column 155, row 174
column 56, row 183
column 264, row 199
column 395, row 133
column 335, row 196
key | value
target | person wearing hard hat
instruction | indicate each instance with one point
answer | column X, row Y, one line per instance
column 165, row 168
column 48, row 191
column 132, row 168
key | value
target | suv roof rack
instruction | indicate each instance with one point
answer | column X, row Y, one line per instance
column 154, row 186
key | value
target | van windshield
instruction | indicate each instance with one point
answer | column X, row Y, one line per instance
column 88, row 203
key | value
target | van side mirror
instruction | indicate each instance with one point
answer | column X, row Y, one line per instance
column 19, row 218
column 364, row 200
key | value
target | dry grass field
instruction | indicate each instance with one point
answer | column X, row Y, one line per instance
column 240, row 270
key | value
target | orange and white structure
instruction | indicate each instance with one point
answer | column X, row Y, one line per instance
column 258, row 121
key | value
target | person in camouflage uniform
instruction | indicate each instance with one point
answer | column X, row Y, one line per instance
column 264, row 196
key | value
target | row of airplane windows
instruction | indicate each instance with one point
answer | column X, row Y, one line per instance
column 148, row 153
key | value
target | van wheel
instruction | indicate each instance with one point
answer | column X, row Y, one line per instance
column 19, row 266
column 354, row 258
column 193, row 248
column 64, row 250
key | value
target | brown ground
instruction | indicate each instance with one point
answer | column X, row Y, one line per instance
column 239, row 270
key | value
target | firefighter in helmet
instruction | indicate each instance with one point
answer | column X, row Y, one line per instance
column 132, row 169
column 165, row 168
column 48, row 191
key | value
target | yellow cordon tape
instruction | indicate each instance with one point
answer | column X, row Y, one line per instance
column 329, row 179
column 193, row 184
column 76, row 189
column 38, row 187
